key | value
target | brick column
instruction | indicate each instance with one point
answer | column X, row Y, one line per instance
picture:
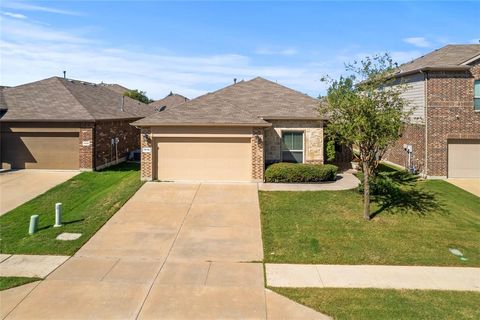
column 258, row 162
column 146, row 157
column 86, row 147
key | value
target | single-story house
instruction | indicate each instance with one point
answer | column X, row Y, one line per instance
column 59, row 123
column 171, row 100
column 442, row 136
column 232, row 133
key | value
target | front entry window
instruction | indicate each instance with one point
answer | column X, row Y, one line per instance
column 292, row 146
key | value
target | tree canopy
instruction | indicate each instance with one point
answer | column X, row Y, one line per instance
column 138, row 95
column 366, row 109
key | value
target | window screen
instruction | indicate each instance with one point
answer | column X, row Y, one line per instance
column 292, row 147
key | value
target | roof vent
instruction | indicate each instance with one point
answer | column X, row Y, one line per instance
column 234, row 80
column 64, row 74
column 160, row 109
column 122, row 103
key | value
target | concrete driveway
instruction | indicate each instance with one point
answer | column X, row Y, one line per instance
column 19, row 186
column 174, row 251
column 470, row 185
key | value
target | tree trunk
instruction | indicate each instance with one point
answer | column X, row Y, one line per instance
column 366, row 191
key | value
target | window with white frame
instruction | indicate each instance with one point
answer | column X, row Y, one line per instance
column 476, row 95
column 292, row 146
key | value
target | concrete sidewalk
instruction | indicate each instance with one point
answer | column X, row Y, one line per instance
column 345, row 181
column 20, row 265
column 371, row 276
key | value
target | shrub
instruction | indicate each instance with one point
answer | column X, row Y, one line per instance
column 299, row 172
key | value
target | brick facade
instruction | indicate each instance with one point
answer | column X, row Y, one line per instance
column 264, row 142
column 313, row 139
column 413, row 134
column 258, row 162
column 146, row 157
column 450, row 115
column 128, row 140
column 86, row 146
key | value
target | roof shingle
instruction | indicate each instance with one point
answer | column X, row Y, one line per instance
column 59, row 99
column 246, row 102
column 172, row 100
column 448, row 57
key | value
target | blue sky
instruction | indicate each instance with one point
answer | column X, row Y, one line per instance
column 195, row 47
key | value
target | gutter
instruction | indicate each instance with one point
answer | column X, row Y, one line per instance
column 294, row 118
column 69, row 120
column 425, row 90
column 445, row 68
column 139, row 125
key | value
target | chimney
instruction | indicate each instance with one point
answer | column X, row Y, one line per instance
column 64, row 74
column 234, row 80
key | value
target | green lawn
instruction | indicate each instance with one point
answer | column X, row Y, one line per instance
column 89, row 200
column 10, row 282
column 387, row 304
column 414, row 226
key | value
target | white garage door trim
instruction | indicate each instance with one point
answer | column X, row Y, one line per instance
column 464, row 158
column 204, row 159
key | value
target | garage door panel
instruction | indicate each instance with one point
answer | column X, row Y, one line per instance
column 464, row 159
column 30, row 150
column 204, row 159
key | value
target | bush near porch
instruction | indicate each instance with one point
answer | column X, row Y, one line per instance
column 300, row 173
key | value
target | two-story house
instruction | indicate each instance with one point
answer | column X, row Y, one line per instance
column 442, row 138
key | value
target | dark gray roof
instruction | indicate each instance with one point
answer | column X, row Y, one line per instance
column 450, row 57
column 171, row 100
column 246, row 102
column 59, row 99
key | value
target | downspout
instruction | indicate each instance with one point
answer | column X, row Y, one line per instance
column 94, row 143
column 425, row 88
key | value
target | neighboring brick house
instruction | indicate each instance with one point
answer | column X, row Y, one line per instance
column 232, row 133
column 444, row 130
column 59, row 123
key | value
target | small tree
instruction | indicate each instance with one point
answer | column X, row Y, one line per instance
column 365, row 109
column 138, row 95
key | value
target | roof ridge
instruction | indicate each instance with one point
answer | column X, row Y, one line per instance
column 285, row 87
column 74, row 97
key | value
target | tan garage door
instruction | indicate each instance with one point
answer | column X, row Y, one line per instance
column 40, row 150
column 204, row 159
column 464, row 159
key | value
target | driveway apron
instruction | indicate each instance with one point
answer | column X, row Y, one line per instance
column 174, row 251
column 20, row 186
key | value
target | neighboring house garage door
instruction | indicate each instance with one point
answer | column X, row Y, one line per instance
column 464, row 159
column 40, row 150
column 222, row 159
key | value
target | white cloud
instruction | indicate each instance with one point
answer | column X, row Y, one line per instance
column 278, row 52
column 420, row 42
column 15, row 15
column 31, row 7
column 31, row 52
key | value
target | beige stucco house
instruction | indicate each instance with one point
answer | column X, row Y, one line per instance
column 232, row 133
